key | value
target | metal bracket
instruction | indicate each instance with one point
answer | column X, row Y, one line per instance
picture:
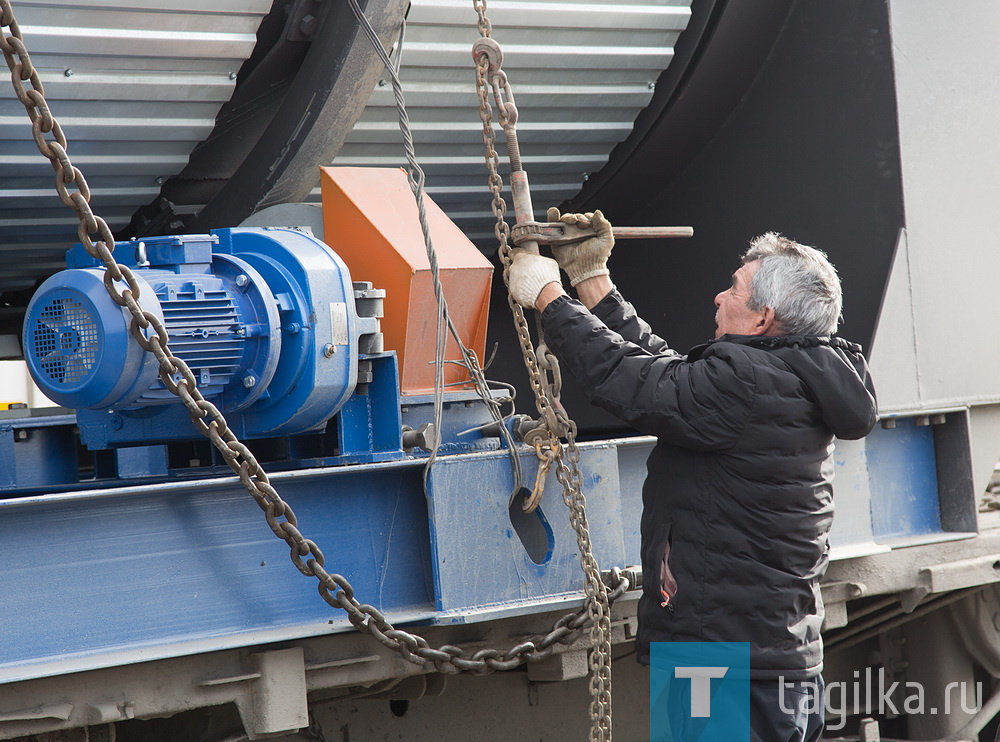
column 559, row 667
column 415, row 687
column 276, row 698
column 942, row 578
column 110, row 711
column 60, row 711
column 835, row 597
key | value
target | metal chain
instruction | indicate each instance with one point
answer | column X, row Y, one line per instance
column 546, row 392
column 150, row 333
column 502, row 232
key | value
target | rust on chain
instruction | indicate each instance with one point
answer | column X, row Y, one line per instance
column 546, row 451
column 482, row 21
column 150, row 333
column 555, row 422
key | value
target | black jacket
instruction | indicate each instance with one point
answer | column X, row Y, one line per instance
column 737, row 503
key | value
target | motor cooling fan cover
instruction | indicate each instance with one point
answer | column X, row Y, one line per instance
column 77, row 343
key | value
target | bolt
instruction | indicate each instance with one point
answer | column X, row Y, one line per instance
column 158, row 180
column 381, row 83
column 68, row 73
column 585, row 177
column 242, row 280
column 232, row 75
column 241, row 331
column 249, row 382
column 651, row 85
column 292, row 328
column 329, row 350
column 424, row 437
column 308, row 24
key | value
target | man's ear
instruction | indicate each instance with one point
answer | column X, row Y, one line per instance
column 766, row 323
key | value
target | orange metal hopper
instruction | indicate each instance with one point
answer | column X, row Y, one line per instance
column 370, row 220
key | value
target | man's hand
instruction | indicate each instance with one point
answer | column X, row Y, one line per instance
column 529, row 274
column 589, row 258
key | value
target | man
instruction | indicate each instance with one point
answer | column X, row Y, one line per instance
column 737, row 503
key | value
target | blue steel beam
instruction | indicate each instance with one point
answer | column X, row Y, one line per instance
column 102, row 578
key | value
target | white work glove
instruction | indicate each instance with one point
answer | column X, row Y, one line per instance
column 589, row 258
column 528, row 275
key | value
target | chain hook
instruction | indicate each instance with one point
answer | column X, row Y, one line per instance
column 547, row 452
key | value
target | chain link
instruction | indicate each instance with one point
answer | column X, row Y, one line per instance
column 546, row 391
column 482, row 21
column 150, row 333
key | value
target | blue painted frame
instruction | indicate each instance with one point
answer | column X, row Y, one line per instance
column 99, row 578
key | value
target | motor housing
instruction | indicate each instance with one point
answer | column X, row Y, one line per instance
column 265, row 318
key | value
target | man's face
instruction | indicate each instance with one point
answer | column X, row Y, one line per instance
column 733, row 317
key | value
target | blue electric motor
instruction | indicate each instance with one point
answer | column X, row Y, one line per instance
column 267, row 319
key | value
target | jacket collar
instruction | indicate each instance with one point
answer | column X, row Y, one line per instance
column 779, row 341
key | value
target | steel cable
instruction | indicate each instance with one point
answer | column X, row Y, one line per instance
column 415, row 176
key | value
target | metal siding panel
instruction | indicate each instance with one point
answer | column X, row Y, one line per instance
column 135, row 89
column 945, row 74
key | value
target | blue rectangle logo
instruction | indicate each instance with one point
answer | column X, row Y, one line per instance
column 699, row 692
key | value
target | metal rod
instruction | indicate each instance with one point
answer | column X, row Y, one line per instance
column 873, row 608
column 641, row 233
column 529, row 232
column 901, row 620
column 523, row 210
column 970, row 731
column 857, row 626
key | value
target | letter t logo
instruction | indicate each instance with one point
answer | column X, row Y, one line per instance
column 701, row 687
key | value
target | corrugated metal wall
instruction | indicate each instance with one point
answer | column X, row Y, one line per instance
column 581, row 72
column 135, row 88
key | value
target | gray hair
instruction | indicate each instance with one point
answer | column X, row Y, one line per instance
column 797, row 282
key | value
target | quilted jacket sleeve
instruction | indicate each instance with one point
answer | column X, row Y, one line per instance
column 704, row 405
column 621, row 317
